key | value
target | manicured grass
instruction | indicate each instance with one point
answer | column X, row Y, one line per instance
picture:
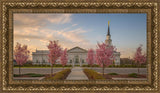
column 60, row 75
column 92, row 75
column 29, row 75
column 112, row 74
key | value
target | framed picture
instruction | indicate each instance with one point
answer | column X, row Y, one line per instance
column 79, row 46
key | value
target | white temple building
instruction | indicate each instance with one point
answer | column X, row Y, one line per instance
column 76, row 55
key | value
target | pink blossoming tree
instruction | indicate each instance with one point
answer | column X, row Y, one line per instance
column 104, row 55
column 90, row 57
column 139, row 58
column 64, row 58
column 21, row 54
column 54, row 53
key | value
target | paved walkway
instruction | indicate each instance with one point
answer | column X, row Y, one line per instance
column 77, row 74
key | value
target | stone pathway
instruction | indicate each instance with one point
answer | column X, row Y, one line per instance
column 77, row 74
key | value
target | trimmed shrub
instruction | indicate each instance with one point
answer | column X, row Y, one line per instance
column 90, row 65
column 95, row 65
column 29, row 75
column 135, row 75
column 60, row 75
column 17, row 75
column 91, row 74
column 68, row 66
column 34, row 75
column 112, row 74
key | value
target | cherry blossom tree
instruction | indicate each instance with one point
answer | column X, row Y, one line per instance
column 64, row 58
column 90, row 57
column 21, row 54
column 54, row 53
column 104, row 55
column 139, row 58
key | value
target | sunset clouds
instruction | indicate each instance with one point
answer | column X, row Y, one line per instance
column 35, row 30
column 30, row 29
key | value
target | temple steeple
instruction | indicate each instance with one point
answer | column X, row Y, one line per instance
column 108, row 40
column 108, row 29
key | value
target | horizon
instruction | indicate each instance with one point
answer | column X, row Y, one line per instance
column 127, row 31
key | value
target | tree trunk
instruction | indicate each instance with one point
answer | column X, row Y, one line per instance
column 52, row 69
column 103, row 69
column 138, row 68
column 19, row 70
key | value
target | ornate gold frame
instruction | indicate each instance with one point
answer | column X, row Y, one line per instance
column 68, row 6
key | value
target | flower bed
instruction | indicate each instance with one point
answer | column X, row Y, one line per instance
column 59, row 76
column 92, row 75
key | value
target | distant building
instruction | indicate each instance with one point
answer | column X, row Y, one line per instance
column 126, row 61
column 14, row 62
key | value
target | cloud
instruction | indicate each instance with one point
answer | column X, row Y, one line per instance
column 32, row 30
column 38, row 20
column 21, row 36
column 126, row 52
column 74, row 24
column 60, row 19
column 27, row 39
column 73, row 35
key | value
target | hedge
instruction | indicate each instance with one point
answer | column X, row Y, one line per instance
column 90, row 65
column 135, row 75
column 127, row 66
column 112, row 74
column 60, row 75
column 55, row 65
column 93, row 75
column 29, row 75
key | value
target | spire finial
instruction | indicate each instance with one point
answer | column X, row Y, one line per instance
column 108, row 29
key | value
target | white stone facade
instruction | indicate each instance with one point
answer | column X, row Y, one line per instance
column 76, row 56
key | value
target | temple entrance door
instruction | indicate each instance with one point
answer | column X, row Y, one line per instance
column 76, row 60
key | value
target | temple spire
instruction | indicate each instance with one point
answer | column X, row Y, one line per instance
column 108, row 29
